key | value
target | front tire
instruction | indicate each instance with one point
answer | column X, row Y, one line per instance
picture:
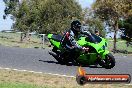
column 108, row 62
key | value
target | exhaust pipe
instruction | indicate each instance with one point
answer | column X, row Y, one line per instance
column 53, row 54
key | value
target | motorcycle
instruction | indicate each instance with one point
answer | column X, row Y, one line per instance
column 98, row 52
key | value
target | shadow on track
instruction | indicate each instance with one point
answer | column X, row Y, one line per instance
column 70, row 64
column 49, row 61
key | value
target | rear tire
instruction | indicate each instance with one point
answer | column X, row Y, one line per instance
column 108, row 62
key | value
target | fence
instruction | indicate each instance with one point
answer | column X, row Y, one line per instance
column 13, row 39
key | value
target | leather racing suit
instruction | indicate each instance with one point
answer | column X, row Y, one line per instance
column 68, row 40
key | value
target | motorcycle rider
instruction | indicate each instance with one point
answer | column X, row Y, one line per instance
column 69, row 39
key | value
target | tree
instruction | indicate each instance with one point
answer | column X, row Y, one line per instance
column 93, row 22
column 57, row 15
column 111, row 11
column 126, row 27
column 11, row 6
column 20, row 14
column 42, row 16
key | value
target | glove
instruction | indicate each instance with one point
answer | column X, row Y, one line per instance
column 85, row 49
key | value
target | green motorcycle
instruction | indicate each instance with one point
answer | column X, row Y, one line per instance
column 97, row 53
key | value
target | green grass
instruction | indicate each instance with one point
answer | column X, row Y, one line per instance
column 20, row 85
column 121, row 45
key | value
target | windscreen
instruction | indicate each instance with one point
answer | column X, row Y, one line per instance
column 97, row 38
column 93, row 38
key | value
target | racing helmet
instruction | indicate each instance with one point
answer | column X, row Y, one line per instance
column 76, row 26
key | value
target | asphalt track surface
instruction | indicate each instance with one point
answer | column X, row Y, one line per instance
column 40, row 61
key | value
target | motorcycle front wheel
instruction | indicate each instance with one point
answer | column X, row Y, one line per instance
column 108, row 62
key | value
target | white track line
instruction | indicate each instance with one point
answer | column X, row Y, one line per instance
column 36, row 72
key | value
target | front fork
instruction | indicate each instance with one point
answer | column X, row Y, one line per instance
column 103, row 54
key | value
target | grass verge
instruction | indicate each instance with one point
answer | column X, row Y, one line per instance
column 13, row 40
column 15, row 79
